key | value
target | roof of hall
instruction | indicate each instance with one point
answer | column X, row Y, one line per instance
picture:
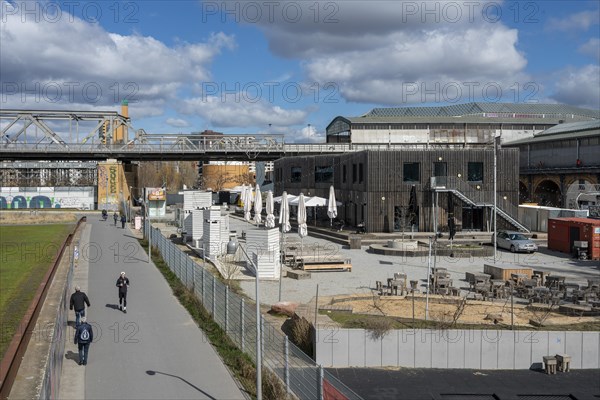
column 479, row 108
column 571, row 130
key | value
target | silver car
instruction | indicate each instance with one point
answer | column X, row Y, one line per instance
column 516, row 242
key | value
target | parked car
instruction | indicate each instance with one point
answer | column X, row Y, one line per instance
column 515, row 242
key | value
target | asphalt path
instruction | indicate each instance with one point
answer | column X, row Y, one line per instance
column 430, row 384
column 155, row 350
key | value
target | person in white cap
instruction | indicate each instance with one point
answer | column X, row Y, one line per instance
column 123, row 284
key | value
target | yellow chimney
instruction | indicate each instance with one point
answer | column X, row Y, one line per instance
column 121, row 132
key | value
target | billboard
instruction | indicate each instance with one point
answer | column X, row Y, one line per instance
column 108, row 185
column 157, row 194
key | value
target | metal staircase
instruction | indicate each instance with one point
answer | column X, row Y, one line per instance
column 457, row 187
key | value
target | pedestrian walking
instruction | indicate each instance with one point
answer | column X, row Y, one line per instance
column 123, row 220
column 78, row 301
column 84, row 335
column 115, row 217
column 123, row 284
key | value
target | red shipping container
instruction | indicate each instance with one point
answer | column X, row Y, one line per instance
column 562, row 232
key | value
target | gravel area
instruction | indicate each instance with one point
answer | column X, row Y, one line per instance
column 368, row 268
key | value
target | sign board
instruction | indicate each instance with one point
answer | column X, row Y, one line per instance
column 156, row 194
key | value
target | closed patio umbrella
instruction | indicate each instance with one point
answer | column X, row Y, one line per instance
column 247, row 203
column 302, row 227
column 270, row 221
column 257, row 205
column 284, row 214
column 331, row 206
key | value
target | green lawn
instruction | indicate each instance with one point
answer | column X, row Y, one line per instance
column 26, row 253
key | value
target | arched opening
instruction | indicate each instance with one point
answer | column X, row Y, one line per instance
column 524, row 196
column 548, row 194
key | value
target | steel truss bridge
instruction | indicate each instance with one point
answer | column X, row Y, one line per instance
column 101, row 135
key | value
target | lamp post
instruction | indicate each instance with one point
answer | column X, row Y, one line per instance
column 231, row 248
column 428, row 279
column 495, row 201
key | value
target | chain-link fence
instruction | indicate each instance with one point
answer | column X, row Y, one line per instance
column 300, row 374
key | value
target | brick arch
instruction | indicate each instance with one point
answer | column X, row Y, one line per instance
column 547, row 193
column 570, row 179
column 538, row 179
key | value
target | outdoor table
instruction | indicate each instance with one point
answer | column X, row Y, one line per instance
column 564, row 362
column 550, row 364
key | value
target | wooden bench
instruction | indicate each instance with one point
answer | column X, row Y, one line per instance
column 334, row 266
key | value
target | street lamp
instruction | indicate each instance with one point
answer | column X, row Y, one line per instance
column 495, row 200
column 232, row 246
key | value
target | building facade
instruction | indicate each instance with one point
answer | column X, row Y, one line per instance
column 560, row 167
column 458, row 124
column 375, row 187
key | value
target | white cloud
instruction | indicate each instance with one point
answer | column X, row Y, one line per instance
column 71, row 61
column 377, row 48
column 455, row 65
column 579, row 86
column 177, row 122
column 580, row 21
column 309, row 134
column 234, row 111
column 591, row 48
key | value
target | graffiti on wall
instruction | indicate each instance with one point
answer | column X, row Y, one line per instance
column 47, row 197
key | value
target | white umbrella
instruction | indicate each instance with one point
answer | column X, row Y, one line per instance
column 270, row 221
column 290, row 198
column 284, row 214
column 247, row 203
column 331, row 206
column 257, row 205
column 302, row 227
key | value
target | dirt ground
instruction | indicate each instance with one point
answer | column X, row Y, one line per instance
column 474, row 312
column 36, row 217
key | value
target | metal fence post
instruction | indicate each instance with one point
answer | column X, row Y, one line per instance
column 203, row 289
column 286, row 365
column 320, row 382
column 227, row 310
column 242, row 335
column 214, row 281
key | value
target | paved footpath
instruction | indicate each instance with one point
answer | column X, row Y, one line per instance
column 155, row 350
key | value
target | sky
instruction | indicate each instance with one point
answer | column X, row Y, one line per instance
column 291, row 67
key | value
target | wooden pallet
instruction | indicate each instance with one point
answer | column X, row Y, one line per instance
column 327, row 267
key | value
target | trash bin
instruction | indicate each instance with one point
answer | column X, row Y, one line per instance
column 138, row 223
column 355, row 241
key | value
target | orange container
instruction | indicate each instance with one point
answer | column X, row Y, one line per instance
column 562, row 232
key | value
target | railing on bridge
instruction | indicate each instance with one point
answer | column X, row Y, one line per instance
column 300, row 374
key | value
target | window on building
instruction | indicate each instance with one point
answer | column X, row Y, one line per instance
column 296, row 174
column 411, row 172
column 475, row 172
column 344, row 173
column 324, row 174
column 353, row 173
column 360, row 173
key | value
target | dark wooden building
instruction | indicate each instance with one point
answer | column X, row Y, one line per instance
column 374, row 187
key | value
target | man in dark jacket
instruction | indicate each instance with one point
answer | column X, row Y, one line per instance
column 123, row 220
column 83, row 338
column 78, row 301
column 123, row 284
